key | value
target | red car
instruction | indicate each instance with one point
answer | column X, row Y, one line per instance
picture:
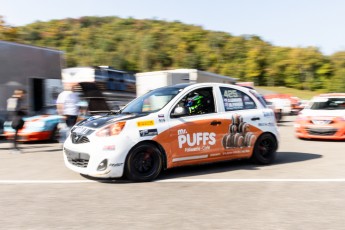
column 323, row 118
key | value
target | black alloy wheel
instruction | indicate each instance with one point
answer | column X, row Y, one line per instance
column 144, row 163
column 265, row 149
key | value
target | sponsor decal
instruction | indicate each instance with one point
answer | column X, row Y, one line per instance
column 266, row 124
column 233, row 103
column 148, row 132
column 236, row 152
column 81, row 130
column 115, row 164
column 194, row 142
column 249, row 103
column 268, row 114
column 232, row 100
column 161, row 118
column 109, row 148
column 230, row 93
column 190, row 158
column 238, row 135
column 145, row 123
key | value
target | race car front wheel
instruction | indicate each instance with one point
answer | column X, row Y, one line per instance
column 265, row 149
column 144, row 163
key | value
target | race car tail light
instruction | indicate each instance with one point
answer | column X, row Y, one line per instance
column 111, row 130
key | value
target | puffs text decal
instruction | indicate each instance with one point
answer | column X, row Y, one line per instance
column 195, row 141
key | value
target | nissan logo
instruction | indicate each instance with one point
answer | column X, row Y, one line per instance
column 75, row 137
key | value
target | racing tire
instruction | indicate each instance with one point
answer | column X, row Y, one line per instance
column 144, row 163
column 265, row 149
column 54, row 136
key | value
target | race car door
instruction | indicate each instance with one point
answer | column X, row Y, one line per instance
column 245, row 117
column 194, row 132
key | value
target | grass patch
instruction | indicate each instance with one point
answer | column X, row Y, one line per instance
column 303, row 94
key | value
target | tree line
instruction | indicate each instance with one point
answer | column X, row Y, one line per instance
column 149, row 45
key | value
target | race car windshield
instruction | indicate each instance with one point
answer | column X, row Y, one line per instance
column 153, row 100
column 329, row 104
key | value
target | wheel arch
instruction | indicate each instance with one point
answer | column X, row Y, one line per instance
column 160, row 147
column 254, row 155
column 273, row 135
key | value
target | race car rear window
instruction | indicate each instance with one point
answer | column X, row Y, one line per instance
column 234, row 99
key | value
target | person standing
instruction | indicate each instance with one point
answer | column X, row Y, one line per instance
column 67, row 105
column 16, row 110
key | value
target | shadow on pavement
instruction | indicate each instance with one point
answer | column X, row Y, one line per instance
column 320, row 140
column 225, row 166
column 107, row 180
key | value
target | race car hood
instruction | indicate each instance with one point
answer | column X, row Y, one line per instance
column 99, row 121
column 323, row 113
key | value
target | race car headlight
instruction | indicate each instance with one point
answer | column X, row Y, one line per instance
column 111, row 130
column 341, row 118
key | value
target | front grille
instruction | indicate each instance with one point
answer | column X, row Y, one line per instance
column 321, row 122
column 76, row 158
column 79, row 139
column 321, row 131
column 82, row 130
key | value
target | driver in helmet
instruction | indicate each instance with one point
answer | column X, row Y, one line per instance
column 194, row 104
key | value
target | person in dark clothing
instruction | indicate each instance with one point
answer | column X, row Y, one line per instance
column 16, row 111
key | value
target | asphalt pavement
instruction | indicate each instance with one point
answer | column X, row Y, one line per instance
column 303, row 189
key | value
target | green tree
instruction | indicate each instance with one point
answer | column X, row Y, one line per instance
column 7, row 32
column 148, row 45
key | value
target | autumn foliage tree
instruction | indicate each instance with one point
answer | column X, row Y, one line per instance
column 149, row 45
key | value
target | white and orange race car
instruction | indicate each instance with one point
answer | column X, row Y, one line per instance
column 36, row 128
column 174, row 126
column 323, row 118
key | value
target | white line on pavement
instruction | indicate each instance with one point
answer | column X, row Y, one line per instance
column 248, row 180
column 45, row 181
column 172, row 181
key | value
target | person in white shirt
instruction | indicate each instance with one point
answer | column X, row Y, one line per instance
column 67, row 105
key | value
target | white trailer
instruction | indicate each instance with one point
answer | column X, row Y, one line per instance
column 148, row 81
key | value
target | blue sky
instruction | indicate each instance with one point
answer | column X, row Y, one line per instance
column 294, row 23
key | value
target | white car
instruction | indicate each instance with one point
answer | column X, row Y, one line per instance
column 174, row 126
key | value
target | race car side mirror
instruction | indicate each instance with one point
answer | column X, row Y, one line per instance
column 179, row 112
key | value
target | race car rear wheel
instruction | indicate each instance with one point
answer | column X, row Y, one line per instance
column 144, row 163
column 265, row 149
column 54, row 136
